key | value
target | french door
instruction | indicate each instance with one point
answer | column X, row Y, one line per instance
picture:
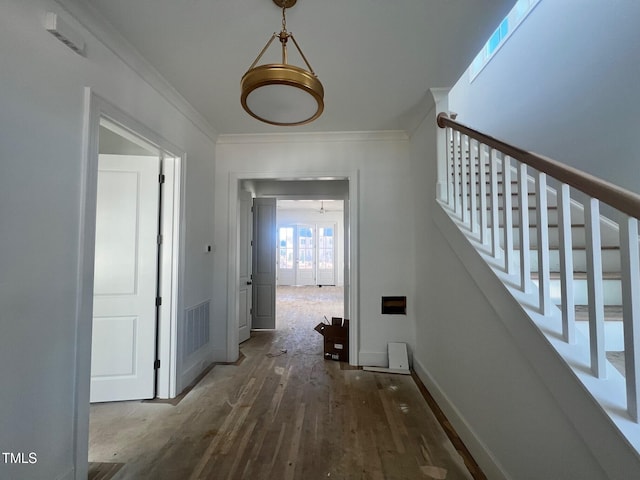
column 306, row 255
column 326, row 254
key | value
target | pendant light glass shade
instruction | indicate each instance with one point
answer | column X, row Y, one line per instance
column 279, row 93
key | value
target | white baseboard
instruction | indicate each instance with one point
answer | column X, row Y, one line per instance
column 197, row 364
column 373, row 359
column 489, row 465
column 69, row 475
column 219, row 355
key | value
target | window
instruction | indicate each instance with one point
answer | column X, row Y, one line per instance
column 518, row 13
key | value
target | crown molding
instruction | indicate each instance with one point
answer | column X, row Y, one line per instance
column 311, row 137
column 87, row 16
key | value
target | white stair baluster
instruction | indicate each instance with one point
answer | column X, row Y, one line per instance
column 595, row 288
column 483, row 194
column 456, row 172
column 464, row 163
column 542, row 230
column 473, row 200
column 449, row 164
column 630, row 261
column 508, row 214
column 566, row 265
column 523, row 217
column 495, row 206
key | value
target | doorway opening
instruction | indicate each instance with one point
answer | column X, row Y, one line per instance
column 340, row 274
column 130, row 253
column 126, row 268
column 310, row 274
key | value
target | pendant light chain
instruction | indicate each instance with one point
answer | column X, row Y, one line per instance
column 284, row 18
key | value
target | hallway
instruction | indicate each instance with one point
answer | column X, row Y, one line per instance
column 280, row 412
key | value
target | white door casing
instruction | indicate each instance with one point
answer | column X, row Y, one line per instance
column 244, row 254
column 264, row 263
column 125, row 285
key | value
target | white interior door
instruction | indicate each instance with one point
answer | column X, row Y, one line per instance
column 124, row 307
column 245, row 287
column 286, row 255
column 264, row 263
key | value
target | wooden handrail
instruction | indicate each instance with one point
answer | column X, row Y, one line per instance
column 613, row 195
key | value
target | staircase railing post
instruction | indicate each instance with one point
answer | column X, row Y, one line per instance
column 595, row 288
column 566, row 265
column 482, row 181
column 630, row 261
column 464, row 190
column 523, row 219
column 495, row 206
column 542, row 229
column 508, row 214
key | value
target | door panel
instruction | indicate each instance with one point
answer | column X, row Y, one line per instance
column 305, row 274
column 126, row 256
column 297, row 264
column 326, row 266
column 245, row 287
column 264, row 263
column 286, row 255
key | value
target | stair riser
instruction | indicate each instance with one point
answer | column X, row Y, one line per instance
column 610, row 261
column 578, row 238
column 613, row 334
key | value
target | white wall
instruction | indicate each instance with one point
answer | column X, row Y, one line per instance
column 516, row 405
column 384, row 231
column 41, row 157
column 565, row 85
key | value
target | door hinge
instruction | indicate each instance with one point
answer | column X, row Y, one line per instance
column 158, row 301
column 252, row 243
column 159, row 239
column 161, row 178
column 156, row 364
column 251, row 311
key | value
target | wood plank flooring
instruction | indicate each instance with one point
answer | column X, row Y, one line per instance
column 282, row 413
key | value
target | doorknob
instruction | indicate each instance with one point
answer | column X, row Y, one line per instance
column 248, row 283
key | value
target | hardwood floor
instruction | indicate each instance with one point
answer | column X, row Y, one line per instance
column 283, row 412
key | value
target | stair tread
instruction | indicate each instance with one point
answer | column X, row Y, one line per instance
column 581, row 275
column 603, row 247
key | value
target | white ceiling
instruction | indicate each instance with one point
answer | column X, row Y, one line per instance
column 376, row 59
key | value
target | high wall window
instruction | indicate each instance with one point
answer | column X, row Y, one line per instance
column 518, row 13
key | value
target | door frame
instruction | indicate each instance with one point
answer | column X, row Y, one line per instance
column 171, row 276
column 351, row 242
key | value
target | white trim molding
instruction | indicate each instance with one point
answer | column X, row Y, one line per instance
column 87, row 16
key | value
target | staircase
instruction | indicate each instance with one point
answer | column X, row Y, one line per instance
column 609, row 251
column 570, row 263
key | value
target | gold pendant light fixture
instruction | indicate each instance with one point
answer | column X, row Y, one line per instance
column 279, row 93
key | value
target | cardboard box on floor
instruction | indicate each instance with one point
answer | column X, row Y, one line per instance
column 336, row 339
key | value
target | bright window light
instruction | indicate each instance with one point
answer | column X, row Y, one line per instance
column 516, row 16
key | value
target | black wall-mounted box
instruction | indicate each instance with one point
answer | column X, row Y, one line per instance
column 394, row 305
